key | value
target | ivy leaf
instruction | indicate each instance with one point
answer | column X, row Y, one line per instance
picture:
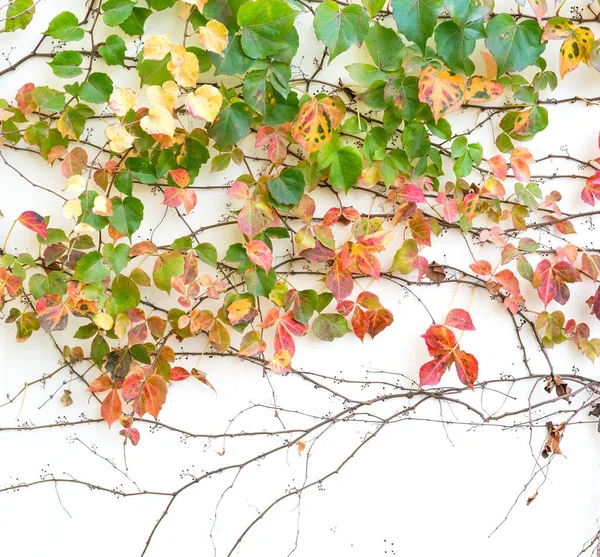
column 111, row 407
column 71, row 124
column 575, row 49
column 316, row 121
column 19, row 14
column 117, row 256
column 513, row 45
column 207, row 253
column 34, row 222
column 340, row 29
column 134, row 24
column 329, row 326
column 125, row 293
column 455, row 44
column 443, row 91
column 288, row 187
column 385, row 47
column 65, row 27
column 459, row 319
column 66, row 63
column 416, row 19
column 90, row 268
column 231, row 124
column 97, row 88
column 113, row 51
column 167, row 265
column 49, row 99
column 373, row 6
column 345, row 166
column 117, row 11
column 264, row 26
column 127, row 215
column 468, row 11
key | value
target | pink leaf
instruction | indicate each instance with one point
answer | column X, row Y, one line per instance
column 459, row 319
column 260, row 254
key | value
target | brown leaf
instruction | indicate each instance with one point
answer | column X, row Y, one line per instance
column 66, row 398
column 553, row 438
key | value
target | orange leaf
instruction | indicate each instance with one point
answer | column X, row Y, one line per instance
column 316, row 121
column 443, row 91
column 111, row 407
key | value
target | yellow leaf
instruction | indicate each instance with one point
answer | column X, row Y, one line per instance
column 316, row 121
column 575, row 49
column 443, row 91
column 83, row 228
column 204, row 103
column 214, row 37
column 102, row 207
column 184, row 66
column 103, row 321
column 64, row 125
column 122, row 100
column 119, row 138
column 165, row 95
column 75, row 184
column 491, row 68
column 157, row 47
column 481, row 89
column 72, row 209
column 158, row 121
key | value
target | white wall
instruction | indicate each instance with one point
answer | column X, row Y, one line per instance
column 422, row 487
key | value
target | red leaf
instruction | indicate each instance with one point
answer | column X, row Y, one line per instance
column 439, row 340
column 459, row 319
column 111, row 407
column 339, row 281
column 179, row 374
column 35, row 223
column 155, row 394
column 52, row 312
column 25, row 100
column 467, row 368
column 543, row 280
column 432, row 371
column 132, row 434
column 591, row 189
column 260, row 254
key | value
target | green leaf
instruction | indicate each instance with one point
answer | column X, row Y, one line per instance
column 134, row 24
column 468, row 11
column 66, row 63
column 19, row 15
column 141, row 169
column 231, row 124
column 265, row 25
column 140, row 353
column 127, row 215
column 65, row 27
column 99, row 350
column 416, row 19
column 345, row 165
column 365, row 74
column 124, row 182
column 340, row 29
column 513, row 46
column 72, row 123
column 329, row 326
column 415, row 140
column 97, row 89
column 117, row 256
column 49, row 99
column 288, row 187
column 53, row 283
column 125, row 294
column 113, row 51
column 528, row 194
column 455, row 44
column 258, row 282
column 234, row 60
column 385, row 47
column 373, row 6
column 160, row 5
column 207, row 253
column 169, row 264
column 90, row 268
column 117, row 11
